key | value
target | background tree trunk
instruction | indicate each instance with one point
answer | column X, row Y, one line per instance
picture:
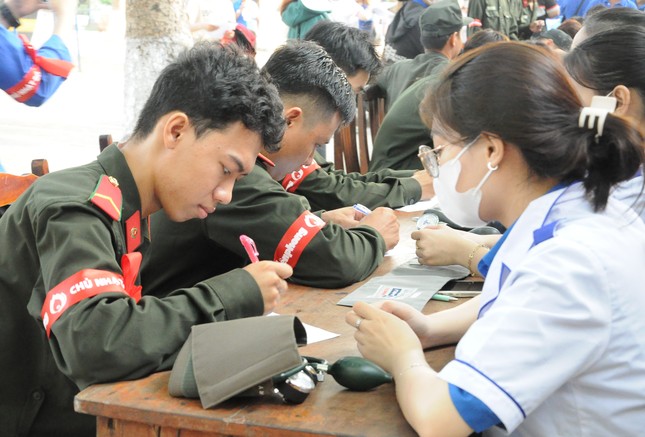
column 156, row 32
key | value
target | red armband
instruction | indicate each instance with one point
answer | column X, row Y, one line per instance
column 297, row 237
column 27, row 87
column 88, row 283
column 29, row 84
column 293, row 179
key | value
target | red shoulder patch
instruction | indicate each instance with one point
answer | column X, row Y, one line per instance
column 107, row 197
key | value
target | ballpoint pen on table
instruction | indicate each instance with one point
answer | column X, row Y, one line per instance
column 251, row 249
column 362, row 209
column 443, row 297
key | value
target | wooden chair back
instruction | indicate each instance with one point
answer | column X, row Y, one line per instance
column 353, row 142
column 12, row 186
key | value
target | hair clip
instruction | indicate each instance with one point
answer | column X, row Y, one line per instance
column 596, row 114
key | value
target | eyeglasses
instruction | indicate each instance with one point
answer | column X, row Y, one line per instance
column 430, row 156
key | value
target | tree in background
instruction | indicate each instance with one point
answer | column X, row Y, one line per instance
column 156, row 32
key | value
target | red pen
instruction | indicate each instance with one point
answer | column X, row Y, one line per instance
column 249, row 246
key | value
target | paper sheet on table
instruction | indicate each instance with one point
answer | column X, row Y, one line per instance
column 411, row 283
column 315, row 334
column 402, row 249
column 421, row 205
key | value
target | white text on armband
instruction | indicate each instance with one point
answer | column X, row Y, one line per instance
column 297, row 237
column 292, row 245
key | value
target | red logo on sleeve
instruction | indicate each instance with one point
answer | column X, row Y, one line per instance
column 88, row 283
column 293, row 179
column 297, row 237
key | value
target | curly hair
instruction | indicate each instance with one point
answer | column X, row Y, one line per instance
column 304, row 69
column 216, row 86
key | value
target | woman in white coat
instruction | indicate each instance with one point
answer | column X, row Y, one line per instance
column 554, row 346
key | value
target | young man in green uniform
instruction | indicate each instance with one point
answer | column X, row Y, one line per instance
column 323, row 185
column 440, row 26
column 71, row 312
column 397, row 141
column 316, row 98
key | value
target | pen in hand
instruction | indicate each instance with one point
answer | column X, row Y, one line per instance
column 251, row 249
column 362, row 209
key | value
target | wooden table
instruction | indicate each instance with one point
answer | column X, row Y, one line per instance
column 144, row 407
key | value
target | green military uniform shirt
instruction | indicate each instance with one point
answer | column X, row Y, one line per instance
column 500, row 15
column 280, row 224
column 327, row 188
column 54, row 233
column 396, row 78
column 402, row 132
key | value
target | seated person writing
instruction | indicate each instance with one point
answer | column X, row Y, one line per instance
column 71, row 311
column 560, row 314
column 323, row 185
column 317, row 98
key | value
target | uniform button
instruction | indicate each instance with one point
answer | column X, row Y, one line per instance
column 411, row 202
column 37, row 395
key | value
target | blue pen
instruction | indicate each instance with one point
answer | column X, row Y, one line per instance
column 362, row 209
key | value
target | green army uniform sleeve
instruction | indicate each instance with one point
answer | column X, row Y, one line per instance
column 402, row 132
column 326, row 191
column 372, row 176
column 263, row 210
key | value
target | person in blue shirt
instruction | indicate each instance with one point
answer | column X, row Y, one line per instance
column 28, row 75
column 560, row 313
column 589, row 4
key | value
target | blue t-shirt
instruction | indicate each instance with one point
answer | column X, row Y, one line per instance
column 621, row 4
column 15, row 62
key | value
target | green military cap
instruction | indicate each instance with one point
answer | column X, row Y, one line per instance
column 442, row 18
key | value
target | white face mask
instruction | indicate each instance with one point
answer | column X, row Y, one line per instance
column 462, row 208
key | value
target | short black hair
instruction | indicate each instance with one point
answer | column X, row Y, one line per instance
column 302, row 68
column 215, row 86
column 435, row 42
column 350, row 48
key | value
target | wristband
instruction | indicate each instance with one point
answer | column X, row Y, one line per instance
column 8, row 16
column 471, row 256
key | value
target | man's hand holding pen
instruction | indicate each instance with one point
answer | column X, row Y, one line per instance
column 269, row 275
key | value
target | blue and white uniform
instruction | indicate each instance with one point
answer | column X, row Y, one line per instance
column 559, row 345
column 632, row 194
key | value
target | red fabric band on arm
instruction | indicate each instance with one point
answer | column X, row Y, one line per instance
column 297, row 237
column 293, row 179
